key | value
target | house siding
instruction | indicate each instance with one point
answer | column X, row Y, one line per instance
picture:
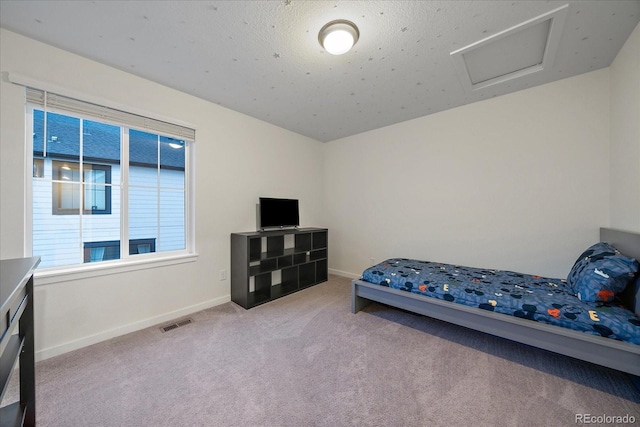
column 59, row 240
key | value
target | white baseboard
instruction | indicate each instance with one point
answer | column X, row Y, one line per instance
column 125, row 329
column 344, row 273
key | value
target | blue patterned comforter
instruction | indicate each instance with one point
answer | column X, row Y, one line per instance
column 530, row 297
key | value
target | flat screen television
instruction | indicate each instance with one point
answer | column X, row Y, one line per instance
column 278, row 213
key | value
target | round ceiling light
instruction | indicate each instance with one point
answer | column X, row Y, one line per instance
column 338, row 37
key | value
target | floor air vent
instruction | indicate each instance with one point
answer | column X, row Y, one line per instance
column 175, row 325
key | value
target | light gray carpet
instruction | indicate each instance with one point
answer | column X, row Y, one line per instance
column 305, row 360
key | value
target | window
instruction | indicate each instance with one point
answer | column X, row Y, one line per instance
column 97, row 192
column 106, row 189
column 104, row 251
column 38, row 168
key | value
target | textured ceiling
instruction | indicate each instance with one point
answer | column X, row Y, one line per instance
column 262, row 58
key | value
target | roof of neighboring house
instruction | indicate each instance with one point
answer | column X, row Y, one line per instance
column 101, row 142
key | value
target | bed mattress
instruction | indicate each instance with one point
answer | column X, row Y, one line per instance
column 536, row 298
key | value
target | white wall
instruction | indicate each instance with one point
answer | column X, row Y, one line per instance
column 625, row 135
column 238, row 159
column 518, row 182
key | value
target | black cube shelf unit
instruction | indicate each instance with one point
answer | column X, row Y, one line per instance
column 270, row 264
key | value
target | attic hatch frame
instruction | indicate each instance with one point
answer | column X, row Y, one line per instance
column 556, row 19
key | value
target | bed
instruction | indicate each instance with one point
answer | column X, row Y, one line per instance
column 599, row 339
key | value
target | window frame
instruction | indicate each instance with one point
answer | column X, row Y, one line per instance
column 126, row 262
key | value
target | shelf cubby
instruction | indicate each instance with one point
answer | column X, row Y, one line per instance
column 285, row 261
column 318, row 254
column 319, row 240
column 262, row 291
column 263, row 266
column 288, row 284
column 300, row 258
column 275, row 246
column 255, row 249
column 303, row 242
column 322, row 270
column 307, row 274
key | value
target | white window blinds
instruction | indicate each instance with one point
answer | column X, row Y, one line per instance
column 48, row 100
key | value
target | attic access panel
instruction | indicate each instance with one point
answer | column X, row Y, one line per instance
column 526, row 48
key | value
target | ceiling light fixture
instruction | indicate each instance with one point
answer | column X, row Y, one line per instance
column 338, row 37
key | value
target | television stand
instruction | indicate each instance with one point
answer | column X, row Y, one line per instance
column 266, row 265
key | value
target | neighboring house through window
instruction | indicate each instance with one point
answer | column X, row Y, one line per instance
column 97, row 183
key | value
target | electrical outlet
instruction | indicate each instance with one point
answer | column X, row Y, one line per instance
column 223, row 274
column 373, row 260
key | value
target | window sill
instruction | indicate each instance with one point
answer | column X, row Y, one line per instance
column 85, row 271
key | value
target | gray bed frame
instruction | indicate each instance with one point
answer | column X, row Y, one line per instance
column 599, row 350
